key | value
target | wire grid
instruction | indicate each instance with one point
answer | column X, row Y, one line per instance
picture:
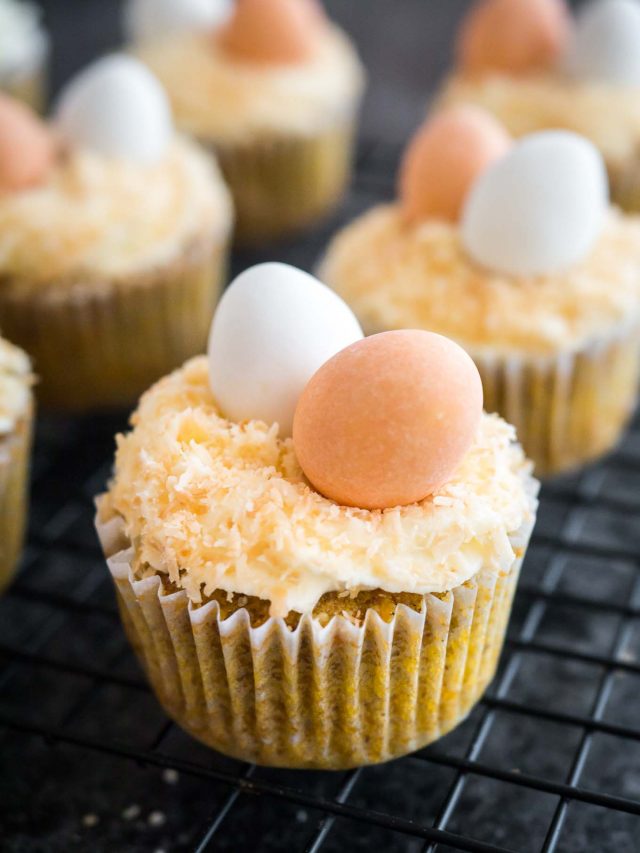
column 549, row 761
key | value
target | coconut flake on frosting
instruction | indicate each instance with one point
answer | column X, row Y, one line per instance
column 215, row 505
column 98, row 215
column 214, row 95
column 395, row 276
column 15, row 385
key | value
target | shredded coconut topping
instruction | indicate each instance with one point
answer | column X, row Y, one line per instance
column 216, row 96
column 15, row 384
column 398, row 276
column 98, row 215
column 215, row 505
column 607, row 114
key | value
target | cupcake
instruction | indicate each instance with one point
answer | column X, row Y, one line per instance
column 273, row 90
column 315, row 564
column 24, row 47
column 535, row 68
column 16, row 414
column 113, row 238
column 512, row 251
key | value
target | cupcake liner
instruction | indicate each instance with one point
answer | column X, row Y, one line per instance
column 570, row 409
column 624, row 183
column 332, row 696
column 283, row 184
column 100, row 344
column 27, row 86
column 14, row 483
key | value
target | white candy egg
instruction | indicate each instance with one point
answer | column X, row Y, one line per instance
column 150, row 19
column 606, row 43
column 117, row 108
column 540, row 208
column 274, row 327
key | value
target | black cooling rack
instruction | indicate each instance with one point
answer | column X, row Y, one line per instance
column 549, row 760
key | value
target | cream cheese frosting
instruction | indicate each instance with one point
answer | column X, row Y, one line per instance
column 607, row 114
column 15, row 384
column 23, row 43
column 396, row 275
column 215, row 505
column 216, row 96
column 96, row 215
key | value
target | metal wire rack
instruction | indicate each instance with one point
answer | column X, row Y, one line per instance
column 549, row 761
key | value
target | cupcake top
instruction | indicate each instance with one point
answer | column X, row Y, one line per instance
column 106, row 187
column 15, row 384
column 534, row 67
column 294, row 72
column 213, row 503
column 529, row 259
column 23, row 42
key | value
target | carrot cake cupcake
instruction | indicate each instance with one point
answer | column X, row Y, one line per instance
column 514, row 253
column 320, row 577
column 535, row 68
column 24, row 48
column 113, row 238
column 16, row 415
column 274, row 91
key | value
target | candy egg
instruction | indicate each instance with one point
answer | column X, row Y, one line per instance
column 151, row 19
column 274, row 327
column 540, row 208
column 117, row 108
column 606, row 43
column 387, row 420
column 514, row 37
column 273, row 31
column 27, row 148
column 444, row 158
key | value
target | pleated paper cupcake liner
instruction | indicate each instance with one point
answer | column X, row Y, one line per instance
column 319, row 696
column 570, row 409
column 14, row 483
column 100, row 344
column 624, row 183
column 286, row 183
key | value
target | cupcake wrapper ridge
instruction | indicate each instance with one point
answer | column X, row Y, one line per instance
column 101, row 344
column 331, row 697
column 567, row 410
column 284, row 184
column 14, row 481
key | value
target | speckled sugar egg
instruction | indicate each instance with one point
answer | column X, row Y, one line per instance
column 27, row 148
column 387, row 420
column 151, row 19
column 274, row 327
column 273, row 31
column 117, row 108
column 513, row 36
column 444, row 158
column 606, row 43
column 540, row 208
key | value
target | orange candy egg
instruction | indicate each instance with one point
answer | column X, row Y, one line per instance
column 444, row 158
column 387, row 420
column 514, row 36
column 273, row 31
column 27, row 148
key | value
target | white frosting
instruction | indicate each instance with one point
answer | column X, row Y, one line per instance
column 540, row 208
column 211, row 504
column 219, row 98
column 605, row 46
column 15, row 385
column 98, row 216
column 275, row 326
column 23, row 43
column 151, row 19
column 117, row 108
